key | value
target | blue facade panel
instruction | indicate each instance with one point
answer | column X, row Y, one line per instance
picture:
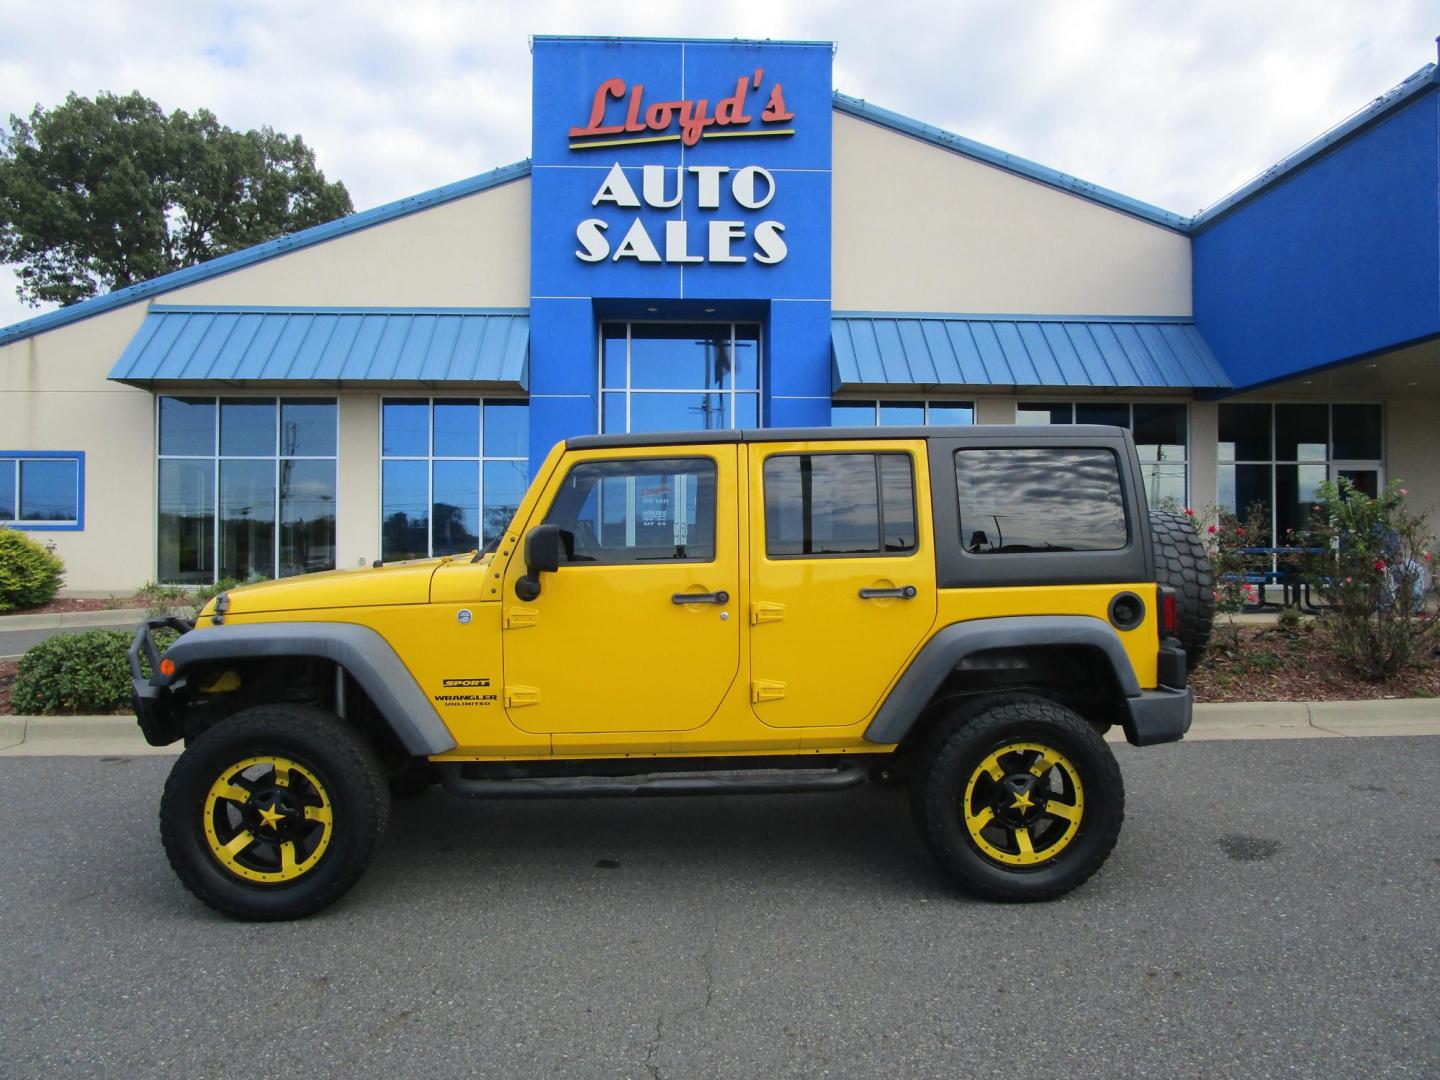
column 1338, row 260
column 693, row 172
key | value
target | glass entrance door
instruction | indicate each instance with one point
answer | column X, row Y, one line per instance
column 679, row 376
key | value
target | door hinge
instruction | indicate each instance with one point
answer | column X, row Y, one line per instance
column 766, row 690
column 517, row 697
column 763, row 611
column 519, row 617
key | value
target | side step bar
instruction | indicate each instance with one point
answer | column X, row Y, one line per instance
column 589, row 787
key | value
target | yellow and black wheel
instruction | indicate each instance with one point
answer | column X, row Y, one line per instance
column 274, row 813
column 1019, row 798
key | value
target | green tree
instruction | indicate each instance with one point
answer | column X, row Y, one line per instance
column 97, row 195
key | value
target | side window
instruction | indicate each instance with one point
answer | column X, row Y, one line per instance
column 1065, row 499
column 638, row 511
column 839, row 504
column 41, row 490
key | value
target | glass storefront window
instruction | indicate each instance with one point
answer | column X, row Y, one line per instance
column 679, row 376
column 230, row 471
column 452, row 473
column 1280, row 454
column 847, row 413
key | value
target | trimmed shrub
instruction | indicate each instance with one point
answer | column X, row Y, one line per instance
column 30, row 573
column 74, row 673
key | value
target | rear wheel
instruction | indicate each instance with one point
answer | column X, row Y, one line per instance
column 1018, row 798
column 274, row 813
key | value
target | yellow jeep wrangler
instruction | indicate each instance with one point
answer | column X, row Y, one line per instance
column 962, row 610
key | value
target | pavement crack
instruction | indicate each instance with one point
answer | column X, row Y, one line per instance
column 653, row 1047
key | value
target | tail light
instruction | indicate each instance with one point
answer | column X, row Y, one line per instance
column 1169, row 612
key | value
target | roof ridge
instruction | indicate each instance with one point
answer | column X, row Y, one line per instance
column 237, row 260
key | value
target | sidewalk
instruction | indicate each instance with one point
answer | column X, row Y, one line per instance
column 62, row 736
column 56, row 620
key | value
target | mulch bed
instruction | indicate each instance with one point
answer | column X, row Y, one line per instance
column 1276, row 664
column 8, row 668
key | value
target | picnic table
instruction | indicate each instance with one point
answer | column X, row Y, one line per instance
column 1294, row 591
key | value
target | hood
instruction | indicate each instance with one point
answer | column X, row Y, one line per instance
column 365, row 586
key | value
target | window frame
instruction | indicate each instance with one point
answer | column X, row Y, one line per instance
column 19, row 524
column 430, row 457
column 879, row 504
column 215, row 458
column 629, row 389
column 712, row 462
column 928, row 403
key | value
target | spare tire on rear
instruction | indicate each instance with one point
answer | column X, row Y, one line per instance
column 1181, row 564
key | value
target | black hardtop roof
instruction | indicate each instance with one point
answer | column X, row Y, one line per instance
column 1011, row 432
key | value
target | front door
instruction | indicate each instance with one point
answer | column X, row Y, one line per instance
column 842, row 576
column 637, row 630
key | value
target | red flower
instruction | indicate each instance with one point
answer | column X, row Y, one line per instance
column 1211, row 529
column 1189, row 512
column 1379, row 564
column 1239, row 532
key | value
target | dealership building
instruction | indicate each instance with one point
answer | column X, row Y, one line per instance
column 708, row 235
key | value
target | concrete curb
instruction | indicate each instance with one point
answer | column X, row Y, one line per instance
column 61, row 619
column 60, row 736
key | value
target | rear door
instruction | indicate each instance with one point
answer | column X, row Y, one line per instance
column 842, row 570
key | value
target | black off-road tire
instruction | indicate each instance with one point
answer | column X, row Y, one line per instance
column 955, row 750
column 337, row 755
column 1181, row 564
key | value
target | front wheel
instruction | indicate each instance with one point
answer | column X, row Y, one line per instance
column 1018, row 798
column 274, row 813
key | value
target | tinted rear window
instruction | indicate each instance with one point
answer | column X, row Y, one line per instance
column 1019, row 501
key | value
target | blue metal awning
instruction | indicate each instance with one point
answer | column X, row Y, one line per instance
column 328, row 346
column 879, row 349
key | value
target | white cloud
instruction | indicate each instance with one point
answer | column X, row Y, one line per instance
column 1172, row 102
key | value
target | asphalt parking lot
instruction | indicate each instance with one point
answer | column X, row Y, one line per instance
column 1271, row 910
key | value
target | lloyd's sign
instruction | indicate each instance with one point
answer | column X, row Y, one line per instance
column 711, row 210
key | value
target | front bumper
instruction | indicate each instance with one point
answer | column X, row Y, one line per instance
column 1158, row 716
column 150, row 694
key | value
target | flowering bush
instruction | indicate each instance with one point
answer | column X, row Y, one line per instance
column 1224, row 538
column 1375, row 570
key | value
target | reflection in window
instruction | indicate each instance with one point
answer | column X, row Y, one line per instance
column 452, row 473
column 847, row 413
column 1160, row 429
column 41, row 490
column 1033, row 500
column 246, row 487
column 679, row 376
column 839, row 504
column 637, row 511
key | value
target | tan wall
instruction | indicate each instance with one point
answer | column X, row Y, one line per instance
column 54, row 394
column 473, row 252
column 919, row 228
column 1412, row 452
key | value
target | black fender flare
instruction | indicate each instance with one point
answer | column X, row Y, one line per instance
column 366, row 656
column 953, row 643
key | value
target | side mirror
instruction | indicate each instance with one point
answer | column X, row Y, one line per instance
column 544, row 552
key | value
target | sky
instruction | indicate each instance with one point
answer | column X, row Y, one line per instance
column 1174, row 103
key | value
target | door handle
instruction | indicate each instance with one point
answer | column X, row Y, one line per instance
column 721, row 597
column 900, row 592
